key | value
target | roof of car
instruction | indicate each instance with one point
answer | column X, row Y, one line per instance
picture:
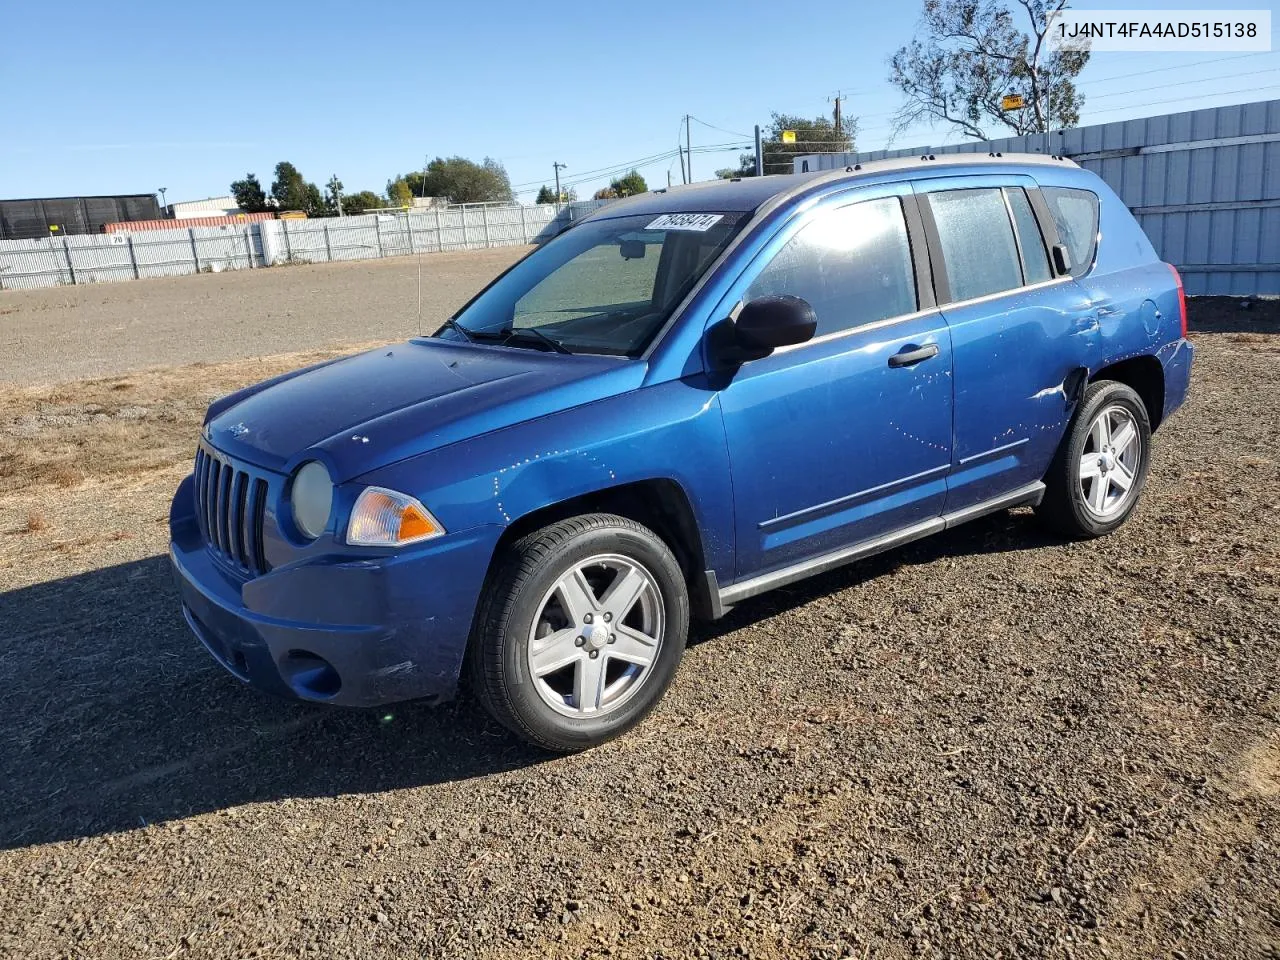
column 747, row 194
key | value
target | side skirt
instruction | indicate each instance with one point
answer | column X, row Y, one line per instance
column 1030, row 494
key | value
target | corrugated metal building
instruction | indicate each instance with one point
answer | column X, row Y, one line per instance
column 138, row 226
column 1204, row 184
column 36, row 218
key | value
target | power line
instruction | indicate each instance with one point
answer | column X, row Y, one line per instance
column 1180, row 66
column 611, row 167
column 1182, row 83
column 733, row 133
column 1201, row 96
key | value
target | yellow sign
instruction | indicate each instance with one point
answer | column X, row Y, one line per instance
column 1012, row 101
column 53, row 227
column 788, row 136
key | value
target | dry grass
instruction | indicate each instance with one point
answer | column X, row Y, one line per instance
column 64, row 434
column 36, row 522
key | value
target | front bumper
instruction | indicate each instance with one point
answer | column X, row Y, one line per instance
column 348, row 630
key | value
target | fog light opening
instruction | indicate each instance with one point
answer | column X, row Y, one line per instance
column 310, row 675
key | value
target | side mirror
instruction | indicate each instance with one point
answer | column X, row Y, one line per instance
column 1061, row 260
column 767, row 323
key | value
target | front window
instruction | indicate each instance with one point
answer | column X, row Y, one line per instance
column 605, row 286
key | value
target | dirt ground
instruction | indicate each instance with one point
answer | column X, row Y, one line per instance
column 987, row 744
column 98, row 330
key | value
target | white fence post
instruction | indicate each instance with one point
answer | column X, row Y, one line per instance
column 466, row 241
column 288, row 247
column 484, row 218
column 328, row 253
column 132, row 258
column 439, row 235
column 248, row 246
column 408, row 225
column 377, row 234
column 524, row 226
column 195, row 254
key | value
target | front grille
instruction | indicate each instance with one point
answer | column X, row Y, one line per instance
column 231, row 504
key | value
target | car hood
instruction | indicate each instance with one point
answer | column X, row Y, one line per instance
column 366, row 411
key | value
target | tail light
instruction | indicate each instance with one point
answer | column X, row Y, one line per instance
column 1182, row 297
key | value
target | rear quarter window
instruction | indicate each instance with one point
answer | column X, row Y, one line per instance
column 978, row 244
column 1076, row 214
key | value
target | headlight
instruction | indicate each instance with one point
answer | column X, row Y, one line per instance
column 311, row 499
column 385, row 518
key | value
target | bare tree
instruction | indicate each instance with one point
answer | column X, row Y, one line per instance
column 971, row 53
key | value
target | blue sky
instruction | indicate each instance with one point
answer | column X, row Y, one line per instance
column 130, row 97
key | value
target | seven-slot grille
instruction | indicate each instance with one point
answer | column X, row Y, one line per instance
column 230, row 505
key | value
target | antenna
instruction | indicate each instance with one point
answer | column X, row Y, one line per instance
column 408, row 216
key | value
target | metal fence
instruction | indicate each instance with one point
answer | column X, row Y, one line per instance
column 1204, row 184
column 104, row 258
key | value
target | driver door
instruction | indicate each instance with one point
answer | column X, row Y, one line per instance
column 848, row 436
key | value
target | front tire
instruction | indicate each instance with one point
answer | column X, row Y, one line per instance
column 1100, row 470
column 580, row 631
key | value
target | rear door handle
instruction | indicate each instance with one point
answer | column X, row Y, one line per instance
column 908, row 356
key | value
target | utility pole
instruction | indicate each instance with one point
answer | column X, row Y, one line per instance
column 337, row 192
column 838, row 119
column 558, row 167
column 759, row 153
column 688, row 146
column 684, row 177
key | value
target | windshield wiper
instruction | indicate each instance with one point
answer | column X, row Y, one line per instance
column 516, row 333
column 452, row 324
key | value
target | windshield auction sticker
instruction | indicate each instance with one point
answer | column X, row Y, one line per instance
column 686, row 221
column 1168, row 31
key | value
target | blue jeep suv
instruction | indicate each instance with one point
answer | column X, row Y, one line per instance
column 689, row 398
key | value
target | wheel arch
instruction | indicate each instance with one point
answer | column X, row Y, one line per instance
column 1145, row 376
column 659, row 503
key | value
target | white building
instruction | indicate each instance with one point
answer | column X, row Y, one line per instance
column 209, row 207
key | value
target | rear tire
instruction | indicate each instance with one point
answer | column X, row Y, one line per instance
column 580, row 631
column 1097, row 476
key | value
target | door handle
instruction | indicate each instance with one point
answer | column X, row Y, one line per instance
column 910, row 356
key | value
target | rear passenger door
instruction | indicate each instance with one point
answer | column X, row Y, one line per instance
column 1017, row 331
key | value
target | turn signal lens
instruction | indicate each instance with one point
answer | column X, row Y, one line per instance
column 385, row 518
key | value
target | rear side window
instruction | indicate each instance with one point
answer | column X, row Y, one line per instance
column 1035, row 260
column 852, row 264
column 1076, row 214
column 977, row 241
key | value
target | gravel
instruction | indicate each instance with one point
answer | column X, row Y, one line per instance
column 990, row 743
column 65, row 333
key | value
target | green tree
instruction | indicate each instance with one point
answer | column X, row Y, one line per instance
column 605, row 193
column 548, row 195
column 398, row 193
column 746, row 168
column 355, row 204
column 969, row 53
column 460, row 180
column 291, row 191
column 818, row 135
column 333, row 197
column 629, row 186
column 249, row 194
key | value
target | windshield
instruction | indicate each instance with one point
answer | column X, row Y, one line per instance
column 604, row 286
